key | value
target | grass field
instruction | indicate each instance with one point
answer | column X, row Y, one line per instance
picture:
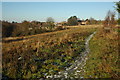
column 40, row 55
column 103, row 59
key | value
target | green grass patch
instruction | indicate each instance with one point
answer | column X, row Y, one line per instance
column 103, row 58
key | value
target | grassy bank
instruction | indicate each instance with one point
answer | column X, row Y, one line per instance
column 40, row 55
column 103, row 60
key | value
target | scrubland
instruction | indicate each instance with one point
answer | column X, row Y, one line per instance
column 43, row 54
column 37, row 56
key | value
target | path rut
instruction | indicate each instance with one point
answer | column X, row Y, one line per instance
column 77, row 67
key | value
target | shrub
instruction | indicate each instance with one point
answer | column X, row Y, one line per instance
column 118, row 21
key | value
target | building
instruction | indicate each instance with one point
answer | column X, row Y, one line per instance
column 83, row 22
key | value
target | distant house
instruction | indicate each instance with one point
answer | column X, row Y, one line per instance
column 83, row 22
column 61, row 24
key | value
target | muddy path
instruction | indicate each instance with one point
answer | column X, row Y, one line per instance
column 76, row 69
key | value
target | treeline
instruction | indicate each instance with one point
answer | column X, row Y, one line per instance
column 73, row 20
column 27, row 28
column 14, row 29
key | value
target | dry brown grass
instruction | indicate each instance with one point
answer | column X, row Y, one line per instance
column 46, row 46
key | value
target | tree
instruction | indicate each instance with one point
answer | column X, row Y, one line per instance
column 106, row 22
column 72, row 21
column 92, row 21
column 113, row 21
column 118, row 10
column 50, row 23
column 109, row 21
column 118, row 6
column 50, row 19
column 7, row 29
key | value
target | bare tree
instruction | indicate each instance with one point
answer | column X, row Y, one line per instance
column 109, row 21
column 50, row 19
column 113, row 21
